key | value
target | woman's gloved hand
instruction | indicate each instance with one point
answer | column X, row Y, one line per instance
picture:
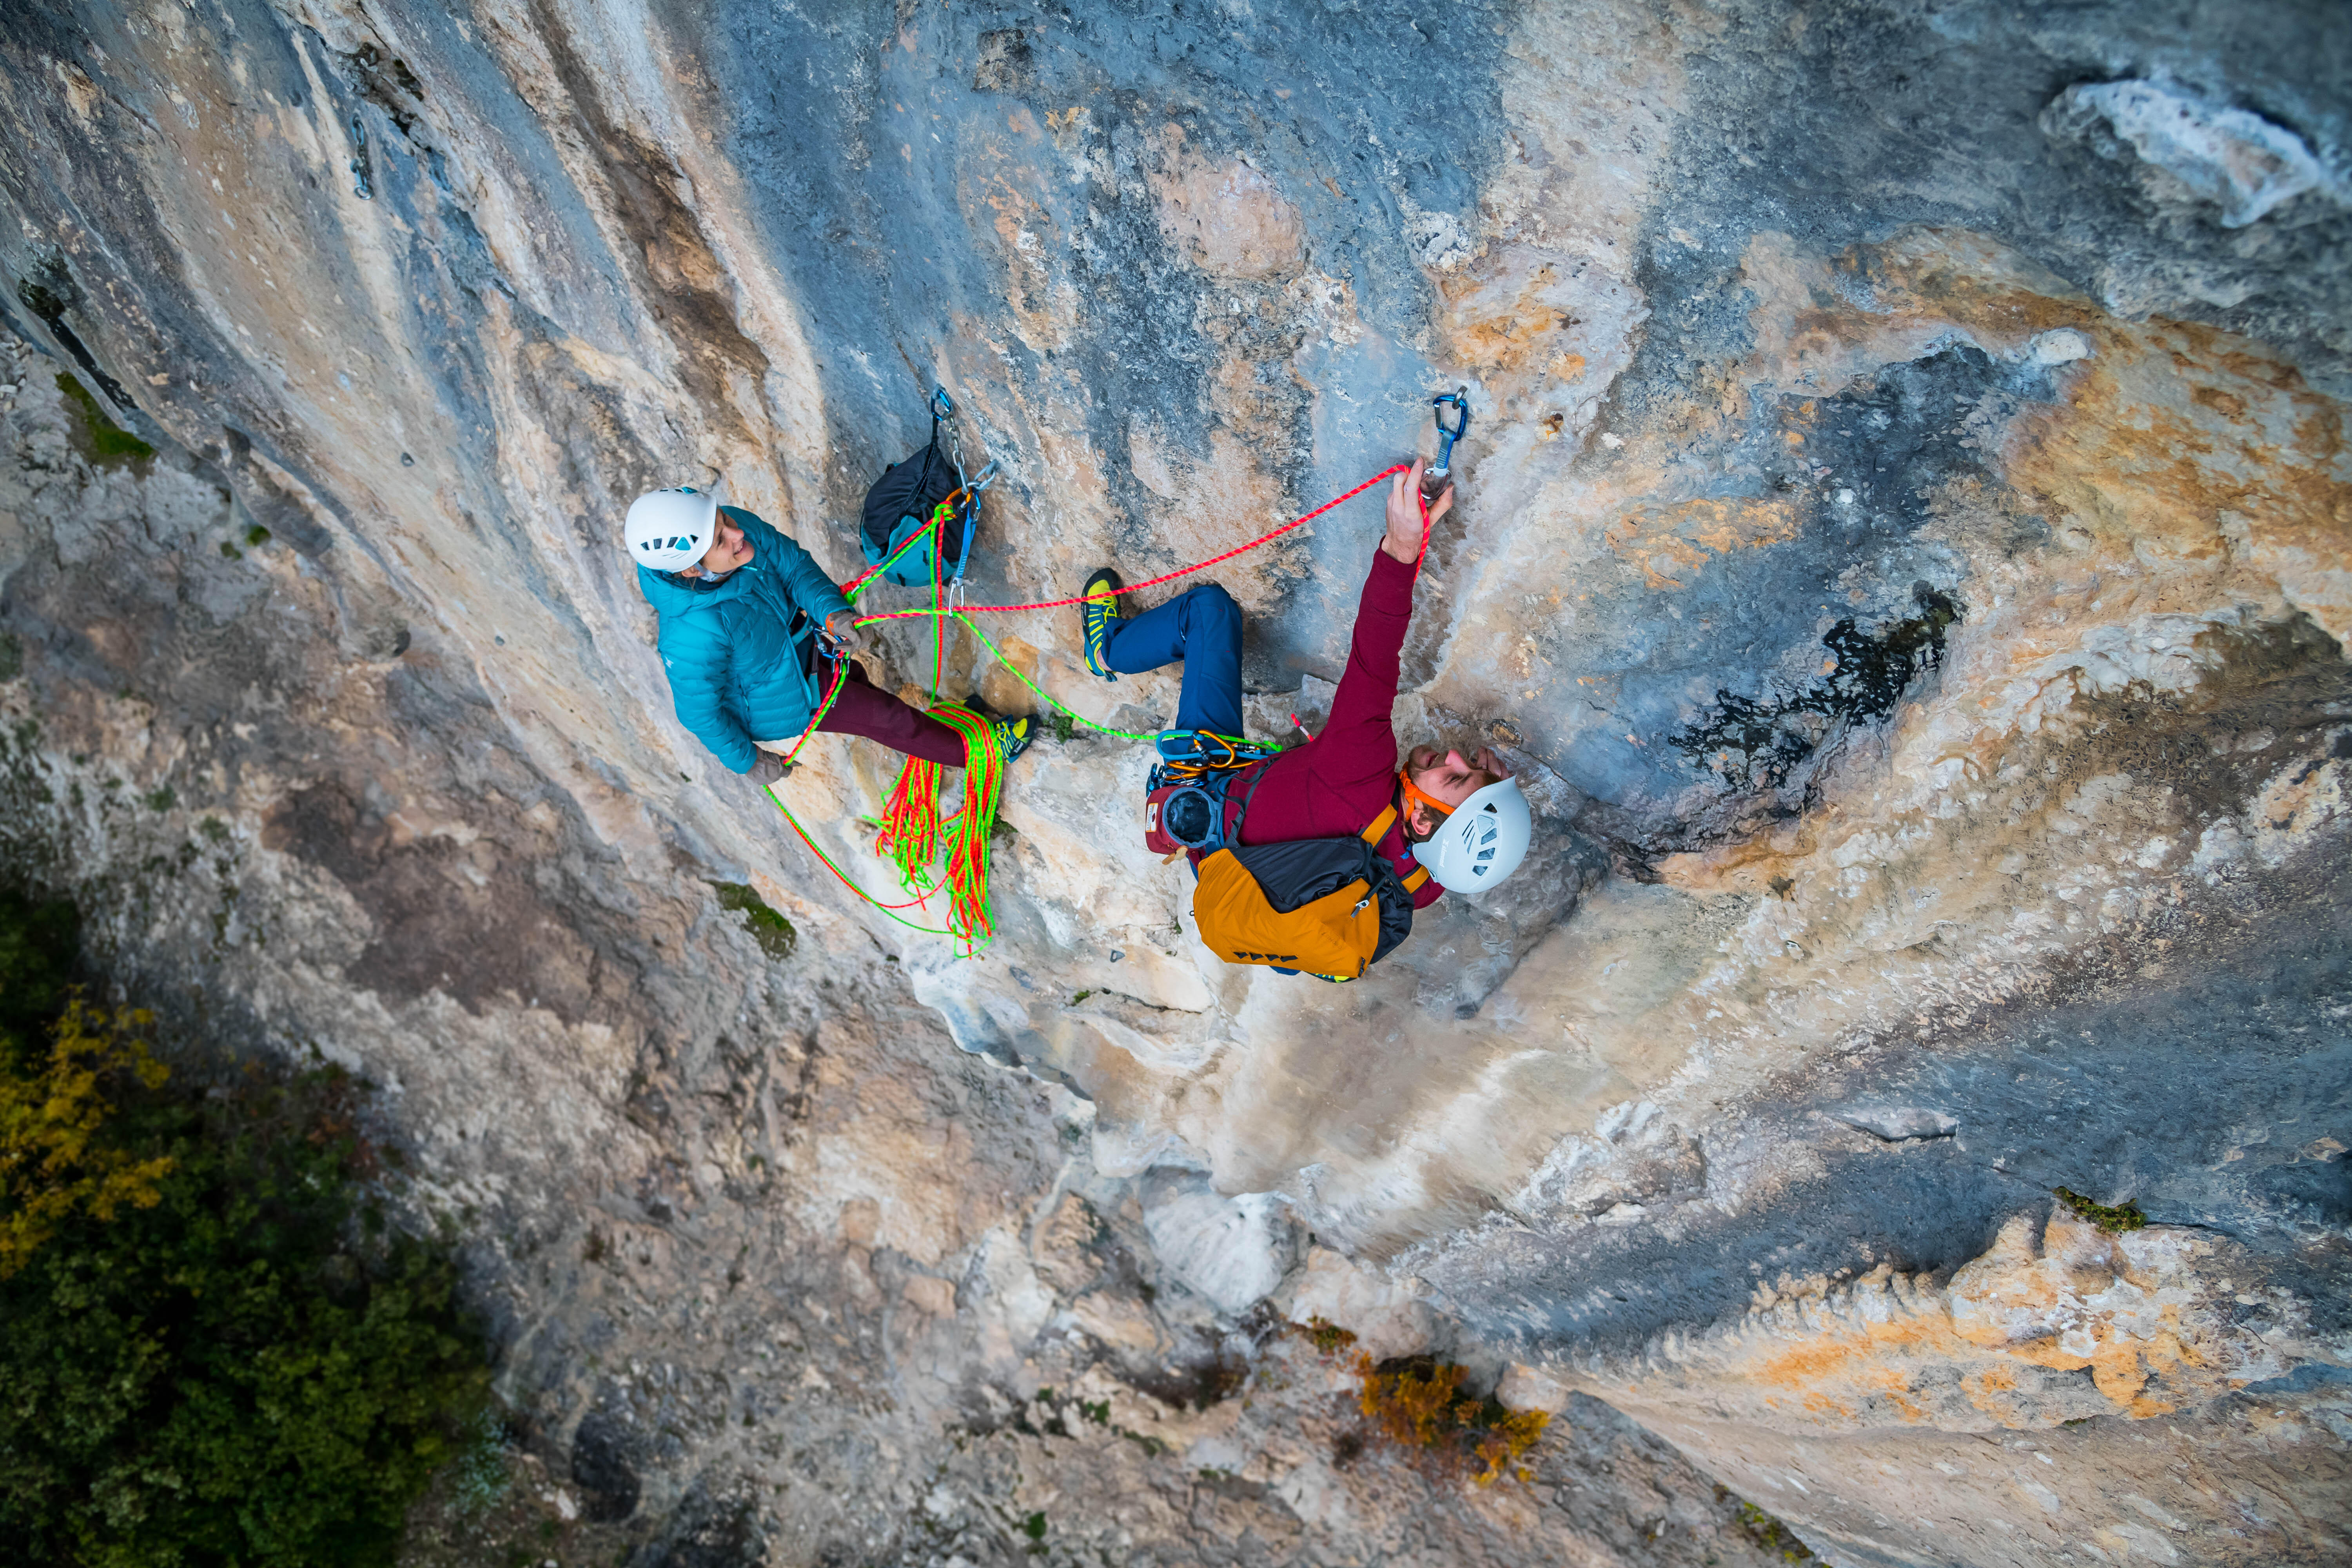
column 767, row 768
column 842, row 628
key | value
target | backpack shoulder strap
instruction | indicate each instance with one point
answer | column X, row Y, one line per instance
column 1377, row 830
column 1374, row 831
column 1233, row 826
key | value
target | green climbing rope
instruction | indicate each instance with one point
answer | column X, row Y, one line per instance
column 1041, row 693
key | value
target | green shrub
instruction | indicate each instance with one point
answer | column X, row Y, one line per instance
column 1417, row 1403
column 37, row 967
column 250, row 1371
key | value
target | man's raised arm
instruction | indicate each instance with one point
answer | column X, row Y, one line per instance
column 1358, row 741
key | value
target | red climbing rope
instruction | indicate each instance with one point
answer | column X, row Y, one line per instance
column 857, row 587
column 839, row 675
column 1167, row 576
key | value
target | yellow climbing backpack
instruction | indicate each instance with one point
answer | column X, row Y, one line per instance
column 1330, row 907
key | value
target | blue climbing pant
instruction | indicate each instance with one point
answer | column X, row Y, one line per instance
column 1202, row 627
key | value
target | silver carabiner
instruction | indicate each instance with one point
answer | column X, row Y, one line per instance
column 1457, row 400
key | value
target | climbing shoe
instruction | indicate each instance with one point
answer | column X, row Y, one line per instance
column 1014, row 736
column 1097, row 614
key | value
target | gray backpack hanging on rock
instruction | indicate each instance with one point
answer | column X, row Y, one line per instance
column 901, row 503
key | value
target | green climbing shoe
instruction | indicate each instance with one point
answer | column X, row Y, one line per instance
column 1097, row 614
column 1014, row 736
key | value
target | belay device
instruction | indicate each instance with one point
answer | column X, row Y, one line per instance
column 904, row 501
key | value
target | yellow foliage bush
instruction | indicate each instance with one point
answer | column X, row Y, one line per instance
column 1509, row 1438
column 1418, row 1404
column 52, row 1162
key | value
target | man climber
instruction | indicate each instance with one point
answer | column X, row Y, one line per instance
column 1462, row 818
column 741, row 608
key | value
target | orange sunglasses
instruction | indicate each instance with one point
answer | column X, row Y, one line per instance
column 1413, row 791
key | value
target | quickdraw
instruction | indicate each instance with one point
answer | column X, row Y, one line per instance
column 968, row 489
column 1434, row 478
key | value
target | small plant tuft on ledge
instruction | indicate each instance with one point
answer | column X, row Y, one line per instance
column 1766, row 1531
column 1326, row 1335
column 2113, row 1218
column 771, row 930
column 99, row 438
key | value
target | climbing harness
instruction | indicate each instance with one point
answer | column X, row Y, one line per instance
column 933, row 854
column 1186, row 797
column 1187, row 803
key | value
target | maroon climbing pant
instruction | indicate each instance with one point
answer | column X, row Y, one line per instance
column 864, row 709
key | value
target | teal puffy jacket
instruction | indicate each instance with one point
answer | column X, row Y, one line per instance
column 734, row 662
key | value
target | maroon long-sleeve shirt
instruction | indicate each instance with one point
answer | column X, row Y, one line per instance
column 1335, row 785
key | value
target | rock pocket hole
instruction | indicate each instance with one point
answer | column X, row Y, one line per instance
column 1757, row 742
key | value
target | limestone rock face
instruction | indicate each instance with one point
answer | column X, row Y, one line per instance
column 1902, row 548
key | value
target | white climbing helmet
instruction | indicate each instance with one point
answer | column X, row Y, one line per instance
column 671, row 529
column 1481, row 841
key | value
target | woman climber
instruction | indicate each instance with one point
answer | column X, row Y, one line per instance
column 741, row 607
column 1447, row 822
